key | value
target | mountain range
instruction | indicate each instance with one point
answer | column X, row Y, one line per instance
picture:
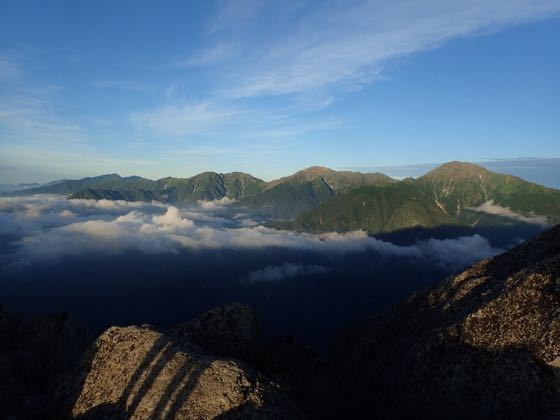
column 455, row 193
column 319, row 199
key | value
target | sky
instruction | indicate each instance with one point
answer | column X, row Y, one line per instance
column 175, row 88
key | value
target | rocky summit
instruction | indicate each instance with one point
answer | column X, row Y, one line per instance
column 138, row 373
column 483, row 344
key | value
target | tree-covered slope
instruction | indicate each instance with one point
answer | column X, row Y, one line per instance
column 373, row 209
column 338, row 181
column 205, row 186
column 288, row 197
column 125, row 195
column 458, row 186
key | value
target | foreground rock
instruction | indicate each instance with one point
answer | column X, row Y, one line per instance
column 139, row 373
column 484, row 344
column 230, row 330
column 303, row 373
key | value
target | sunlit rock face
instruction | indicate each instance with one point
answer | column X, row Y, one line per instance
column 483, row 344
column 136, row 372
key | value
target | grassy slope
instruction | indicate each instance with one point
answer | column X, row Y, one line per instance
column 205, row 186
column 374, row 209
column 291, row 196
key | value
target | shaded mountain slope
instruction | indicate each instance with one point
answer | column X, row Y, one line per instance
column 483, row 344
column 210, row 186
column 206, row 186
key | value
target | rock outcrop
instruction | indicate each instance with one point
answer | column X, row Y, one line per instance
column 483, row 344
column 139, row 373
column 230, row 330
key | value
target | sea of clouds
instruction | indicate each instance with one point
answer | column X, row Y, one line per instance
column 45, row 227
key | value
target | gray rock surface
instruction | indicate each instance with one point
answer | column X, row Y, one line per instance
column 483, row 344
column 139, row 373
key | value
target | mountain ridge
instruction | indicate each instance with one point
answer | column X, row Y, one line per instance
column 456, row 193
column 318, row 199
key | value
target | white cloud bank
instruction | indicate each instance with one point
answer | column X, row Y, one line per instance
column 490, row 208
column 51, row 226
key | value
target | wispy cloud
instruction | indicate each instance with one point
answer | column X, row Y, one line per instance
column 120, row 84
column 274, row 273
column 27, row 114
column 182, row 119
column 43, row 162
column 233, row 13
column 346, row 44
column 8, row 68
column 211, row 55
column 227, row 119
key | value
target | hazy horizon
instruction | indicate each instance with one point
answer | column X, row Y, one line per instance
column 543, row 171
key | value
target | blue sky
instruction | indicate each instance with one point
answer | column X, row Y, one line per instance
column 175, row 88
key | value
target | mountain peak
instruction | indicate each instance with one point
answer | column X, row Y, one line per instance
column 458, row 170
column 316, row 171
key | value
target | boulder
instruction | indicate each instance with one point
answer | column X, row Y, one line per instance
column 139, row 373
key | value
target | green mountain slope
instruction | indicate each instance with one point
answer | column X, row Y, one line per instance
column 210, row 186
column 288, row 197
column 205, row 186
column 338, row 181
column 285, row 198
column 457, row 186
column 109, row 182
column 125, row 195
column 445, row 196
column 374, row 209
